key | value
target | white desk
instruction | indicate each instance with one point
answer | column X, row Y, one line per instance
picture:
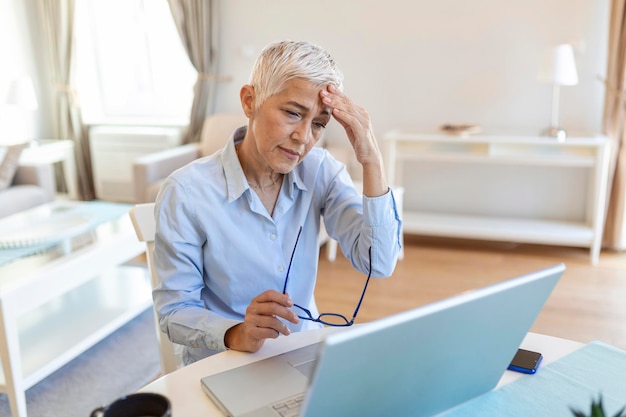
column 51, row 151
column 183, row 389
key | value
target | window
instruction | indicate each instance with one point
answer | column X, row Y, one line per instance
column 130, row 62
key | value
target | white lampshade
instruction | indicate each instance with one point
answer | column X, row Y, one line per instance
column 559, row 66
column 22, row 94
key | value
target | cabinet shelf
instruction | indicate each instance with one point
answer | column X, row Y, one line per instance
column 502, row 187
column 56, row 332
column 504, row 159
column 498, row 229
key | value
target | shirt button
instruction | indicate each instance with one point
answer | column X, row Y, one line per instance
column 272, row 236
column 214, row 346
column 281, row 268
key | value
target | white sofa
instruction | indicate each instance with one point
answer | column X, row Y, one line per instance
column 33, row 185
column 150, row 171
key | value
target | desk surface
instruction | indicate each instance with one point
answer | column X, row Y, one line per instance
column 183, row 389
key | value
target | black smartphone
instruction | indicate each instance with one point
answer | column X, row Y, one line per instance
column 526, row 361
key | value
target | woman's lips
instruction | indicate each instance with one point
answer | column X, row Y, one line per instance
column 293, row 155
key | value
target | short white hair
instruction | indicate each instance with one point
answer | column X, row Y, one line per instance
column 283, row 61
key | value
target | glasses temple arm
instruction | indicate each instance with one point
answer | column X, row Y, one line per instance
column 369, row 275
column 291, row 260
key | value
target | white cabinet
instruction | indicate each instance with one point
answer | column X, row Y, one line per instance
column 526, row 189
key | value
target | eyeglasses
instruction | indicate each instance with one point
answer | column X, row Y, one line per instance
column 329, row 319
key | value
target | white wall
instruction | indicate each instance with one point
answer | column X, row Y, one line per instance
column 417, row 63
column 411, row 63
column 422, row 63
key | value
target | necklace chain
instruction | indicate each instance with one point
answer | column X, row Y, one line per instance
column 258, row 186
column 261, row 187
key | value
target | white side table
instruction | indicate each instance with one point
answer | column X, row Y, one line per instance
column 57, row 303
column 52, row 151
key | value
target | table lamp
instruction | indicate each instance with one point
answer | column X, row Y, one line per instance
column 22, row 97
column 559, row 68
column 22, row 94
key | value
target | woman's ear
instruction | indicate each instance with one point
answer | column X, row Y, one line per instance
column 246, row 95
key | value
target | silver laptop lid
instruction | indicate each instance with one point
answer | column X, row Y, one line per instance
column 430, row 359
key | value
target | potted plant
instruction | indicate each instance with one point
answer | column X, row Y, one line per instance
column 597, row 410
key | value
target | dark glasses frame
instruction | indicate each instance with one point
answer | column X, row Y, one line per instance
column 324, row 318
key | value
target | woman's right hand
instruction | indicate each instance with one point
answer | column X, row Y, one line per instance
column 262, row 321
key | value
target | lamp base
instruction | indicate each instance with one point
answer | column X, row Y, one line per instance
column 555, row 132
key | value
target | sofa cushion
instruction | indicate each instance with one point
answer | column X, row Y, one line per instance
column 21, row 197
column 9, row 160
column 217, row 129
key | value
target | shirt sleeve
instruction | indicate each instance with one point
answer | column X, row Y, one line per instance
column 178, row 262
column 381, row 214
column 358, row 222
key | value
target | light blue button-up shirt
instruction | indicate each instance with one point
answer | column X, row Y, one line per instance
column 217, row 247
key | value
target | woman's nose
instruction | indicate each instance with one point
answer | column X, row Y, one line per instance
column 302, row 133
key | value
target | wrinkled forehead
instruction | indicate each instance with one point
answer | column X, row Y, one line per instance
column 303, row 95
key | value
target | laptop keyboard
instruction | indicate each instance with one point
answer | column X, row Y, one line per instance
column 289, row 407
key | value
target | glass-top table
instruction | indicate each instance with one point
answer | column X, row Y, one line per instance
column 67, row 280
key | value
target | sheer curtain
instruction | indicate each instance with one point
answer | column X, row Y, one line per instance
column 615, row 125
column 197, row 23
column 57, row 20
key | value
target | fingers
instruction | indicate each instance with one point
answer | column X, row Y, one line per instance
column 344, row 110
column 263, row 320
column 356, row 122
column 269, row 307
column 354, row 119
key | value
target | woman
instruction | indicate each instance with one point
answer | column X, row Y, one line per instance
column 231, row 226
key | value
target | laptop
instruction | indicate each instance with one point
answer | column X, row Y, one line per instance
column 416, row 363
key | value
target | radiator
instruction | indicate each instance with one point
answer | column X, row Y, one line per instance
column 113, row 150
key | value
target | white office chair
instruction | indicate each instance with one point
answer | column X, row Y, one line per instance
column 142, row 216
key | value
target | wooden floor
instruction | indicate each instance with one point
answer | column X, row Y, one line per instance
column 588, row 304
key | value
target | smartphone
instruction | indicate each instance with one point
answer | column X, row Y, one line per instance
column 526, row 361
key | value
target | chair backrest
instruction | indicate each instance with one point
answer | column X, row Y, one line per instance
column 217, row 129
column 142, row 217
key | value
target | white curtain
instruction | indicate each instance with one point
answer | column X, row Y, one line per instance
column 615, row 126
column 197, row 23
column 57, row 20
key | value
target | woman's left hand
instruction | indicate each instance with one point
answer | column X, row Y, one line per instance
column 356, row 122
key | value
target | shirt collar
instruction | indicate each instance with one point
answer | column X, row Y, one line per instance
column 236, row 182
